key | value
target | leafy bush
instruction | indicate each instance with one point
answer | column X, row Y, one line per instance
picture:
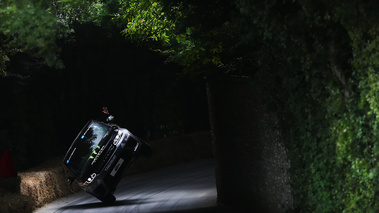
column 326, row 97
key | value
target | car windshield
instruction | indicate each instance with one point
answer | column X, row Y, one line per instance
column 86, row 146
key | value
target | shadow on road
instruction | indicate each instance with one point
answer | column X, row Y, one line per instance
column 128, row 202
column 102, row 205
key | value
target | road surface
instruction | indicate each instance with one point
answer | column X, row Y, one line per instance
column 184, row 188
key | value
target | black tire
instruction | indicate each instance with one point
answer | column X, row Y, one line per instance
column 146, row 150
column 109, row 200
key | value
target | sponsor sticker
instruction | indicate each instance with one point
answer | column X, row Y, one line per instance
column 117, row 167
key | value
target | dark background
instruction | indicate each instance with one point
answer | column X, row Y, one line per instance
column 43, row 109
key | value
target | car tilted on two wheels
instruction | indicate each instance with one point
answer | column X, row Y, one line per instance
column 99, row 156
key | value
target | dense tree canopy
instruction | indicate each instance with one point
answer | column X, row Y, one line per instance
column 37, row 26
column 316, row 63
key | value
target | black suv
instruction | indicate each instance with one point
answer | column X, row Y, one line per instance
column 99, row 156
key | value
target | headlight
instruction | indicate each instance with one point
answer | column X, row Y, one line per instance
column 90, row 179
column 118, row 137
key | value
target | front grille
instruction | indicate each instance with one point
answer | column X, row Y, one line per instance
column 104, row 158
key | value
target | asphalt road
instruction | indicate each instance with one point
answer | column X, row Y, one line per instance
column 184, row 188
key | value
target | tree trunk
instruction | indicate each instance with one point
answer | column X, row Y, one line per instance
column 250, row 161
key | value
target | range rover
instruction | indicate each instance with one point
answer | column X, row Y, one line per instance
column 99, row 156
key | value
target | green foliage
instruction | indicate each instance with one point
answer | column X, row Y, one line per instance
column 317, row 64
column 146, row 20
column 80, row 11
column 357, row 131
column 37, row 26
column 31, row 28
column 156, row 22
column 323, row 83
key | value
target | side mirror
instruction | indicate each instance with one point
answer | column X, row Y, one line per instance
column 70, row 180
